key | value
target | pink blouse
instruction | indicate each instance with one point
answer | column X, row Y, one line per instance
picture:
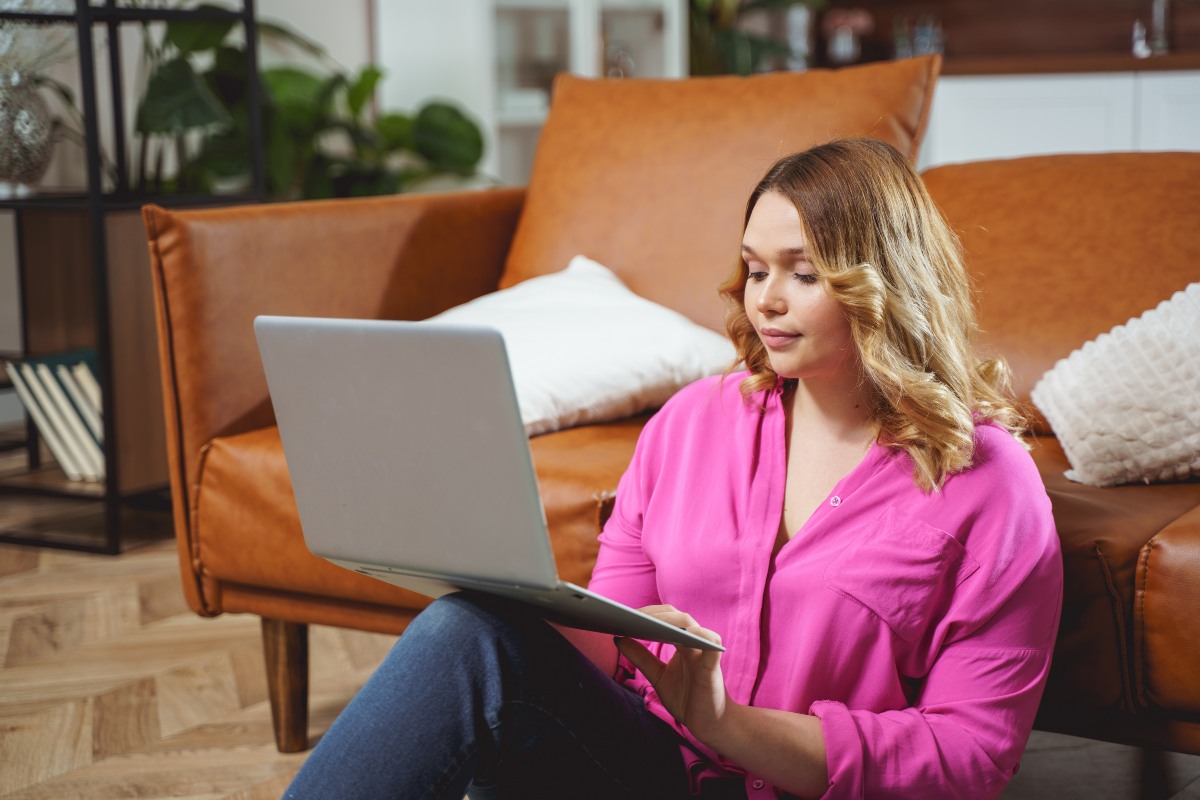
column 917, row 626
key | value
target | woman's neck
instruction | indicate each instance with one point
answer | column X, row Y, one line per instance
column 839, row 408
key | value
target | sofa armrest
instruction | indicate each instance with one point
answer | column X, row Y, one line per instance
column 397, row 257
column 1167, row 618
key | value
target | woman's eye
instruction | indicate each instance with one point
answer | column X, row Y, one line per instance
column 758, row 277
column 806, row 277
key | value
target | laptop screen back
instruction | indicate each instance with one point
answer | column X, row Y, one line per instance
column 405, row 446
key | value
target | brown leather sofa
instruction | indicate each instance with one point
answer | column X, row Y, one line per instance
column 1062, row 249
column 650, row 178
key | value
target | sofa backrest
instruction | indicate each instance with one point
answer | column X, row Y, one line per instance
column 650, row 177
column 1063, row 248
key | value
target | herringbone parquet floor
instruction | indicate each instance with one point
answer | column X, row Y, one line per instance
column 111, row 688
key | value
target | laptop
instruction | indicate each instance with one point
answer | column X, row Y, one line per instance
column 410, row 464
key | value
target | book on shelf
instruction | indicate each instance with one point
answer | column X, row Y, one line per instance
column 85, row 377
column 88, row 403
column 67, row 415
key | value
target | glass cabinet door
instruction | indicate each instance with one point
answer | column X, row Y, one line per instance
column 532, row 46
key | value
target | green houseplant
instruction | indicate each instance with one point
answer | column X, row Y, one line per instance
column 319, row 136
column 719, row 43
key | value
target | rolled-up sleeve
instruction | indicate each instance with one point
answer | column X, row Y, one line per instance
column 965, row 732
column 623, row 571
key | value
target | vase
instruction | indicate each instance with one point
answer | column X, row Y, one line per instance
column 26, row 135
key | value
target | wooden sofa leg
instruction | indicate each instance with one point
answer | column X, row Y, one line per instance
column 1153, row 774
column 285, row 645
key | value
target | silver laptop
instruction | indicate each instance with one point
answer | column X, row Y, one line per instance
column 410, row 464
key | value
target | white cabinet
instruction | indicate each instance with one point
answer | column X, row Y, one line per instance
column 980, row 117
column 496, row 58
column 1169, row 113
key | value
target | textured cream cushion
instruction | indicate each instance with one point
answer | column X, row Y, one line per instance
column 1126, row 406
column 584, row 348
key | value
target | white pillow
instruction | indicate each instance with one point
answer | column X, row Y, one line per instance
column 584, row 348
column 1126, row 407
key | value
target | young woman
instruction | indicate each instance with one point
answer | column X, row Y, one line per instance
column 853, row 516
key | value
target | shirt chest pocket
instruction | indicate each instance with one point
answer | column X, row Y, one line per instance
column 902, row 570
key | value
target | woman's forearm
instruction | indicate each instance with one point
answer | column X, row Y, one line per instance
column 784, row 748
column 598, row 647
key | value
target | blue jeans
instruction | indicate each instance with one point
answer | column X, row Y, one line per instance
column 479, row 696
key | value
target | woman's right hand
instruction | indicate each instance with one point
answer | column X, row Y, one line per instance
column 690, row 685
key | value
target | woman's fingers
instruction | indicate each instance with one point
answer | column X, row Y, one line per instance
column 708, row 658
column 681, row 619
column 670, row 615
column 654, row 611
column 704, row 633
column 648, row 663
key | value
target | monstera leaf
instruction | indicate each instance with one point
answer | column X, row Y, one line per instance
column 178, row 100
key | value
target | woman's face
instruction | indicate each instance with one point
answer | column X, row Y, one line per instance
column 803, row 328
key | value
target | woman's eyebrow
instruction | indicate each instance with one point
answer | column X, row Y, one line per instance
column 795, row 252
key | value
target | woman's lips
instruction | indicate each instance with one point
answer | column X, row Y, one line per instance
column 776, row 339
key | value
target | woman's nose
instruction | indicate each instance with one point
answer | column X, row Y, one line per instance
column 770, row 299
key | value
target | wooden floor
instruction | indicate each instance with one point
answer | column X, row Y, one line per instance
column 111, row 688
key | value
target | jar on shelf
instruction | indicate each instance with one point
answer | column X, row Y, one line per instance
column 27, row 126
column 26, row 135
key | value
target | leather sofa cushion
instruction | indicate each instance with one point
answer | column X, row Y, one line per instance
column 650, row 177
column 244, row 487
column 1111, row 610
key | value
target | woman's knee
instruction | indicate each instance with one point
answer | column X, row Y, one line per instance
column 467, row 619
column 482, row 646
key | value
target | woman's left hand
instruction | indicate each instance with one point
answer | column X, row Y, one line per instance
column 690, row 685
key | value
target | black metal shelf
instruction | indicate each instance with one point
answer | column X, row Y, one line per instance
column 113, row 13
column 98, row 526
column 49, row 481
column 75, row 201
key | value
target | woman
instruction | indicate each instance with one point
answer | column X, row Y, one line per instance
column 854, row 518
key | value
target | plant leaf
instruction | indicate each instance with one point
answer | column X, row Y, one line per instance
column 395, row 130
column 282, row 158
column 743, row 53
column 292, row 86
column 355, row 179
column 224, row 155
column 194, row 36
column 284, row 33
column 361, row 89
column 227, row 76
column 329, row 89
column 177, row 100
column 411, row 176
column 445, row 136
column 316, row 182
column 727, row 12
column 299, row 97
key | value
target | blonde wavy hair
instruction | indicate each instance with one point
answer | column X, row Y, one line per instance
column 886, row 254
